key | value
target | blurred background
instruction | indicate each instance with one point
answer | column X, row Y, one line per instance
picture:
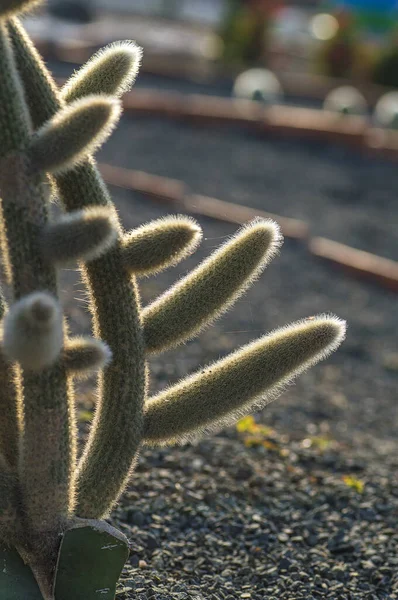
column 328, row 60
column 296, row 55
column 352, row 39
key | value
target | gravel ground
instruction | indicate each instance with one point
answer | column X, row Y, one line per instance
column 309, row 509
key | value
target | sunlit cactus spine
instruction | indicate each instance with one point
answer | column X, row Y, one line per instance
column 46, row 492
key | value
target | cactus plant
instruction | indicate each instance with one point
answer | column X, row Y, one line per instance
column 53, row 503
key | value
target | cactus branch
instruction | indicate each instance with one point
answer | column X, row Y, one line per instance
column 112, row 70
column 81, row 234
column 42, row 106
column 210, row 289
column 83, row 356
column 244, row 381
column 160, row 244
column 15, row 123
column 73, row 134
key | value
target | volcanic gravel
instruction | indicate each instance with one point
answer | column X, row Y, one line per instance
column 309, row 510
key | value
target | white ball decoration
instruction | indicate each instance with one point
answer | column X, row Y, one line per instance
column 346, row 100
column 386, row 111
column 260, row 85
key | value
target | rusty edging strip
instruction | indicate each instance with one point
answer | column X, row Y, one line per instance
column 234, row 213
column 287, row 120
column 174, row 192
column 159, row 188
column 316, row 124
column 357, row 262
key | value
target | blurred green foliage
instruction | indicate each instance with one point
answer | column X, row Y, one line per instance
column 245, row 35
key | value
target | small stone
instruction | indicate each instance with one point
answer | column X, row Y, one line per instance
column 135, row 517
column 134, row 560
column 142, row 565
column 151, row 542
column 285, row 564
column 243, row 473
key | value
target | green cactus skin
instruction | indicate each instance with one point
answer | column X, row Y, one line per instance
column 184, row 310
column 42, row 98
column 9, row 513
column 73, row 133
column 241, row 383
column 10, row 407
column 80, row 235
column 160, row 244
column 111, row 71
column 43, row 492
column 10, row 411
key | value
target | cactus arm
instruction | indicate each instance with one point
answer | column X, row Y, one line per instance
column 112, row 70
column 160, row 244
column 84, row 356
column 210, row 289
column 116, row 431
column 243, row 381
column 116, row 434
column 81, row 234
column 15, row 124
column 42, row 106
column 46, row 411
column 73, row 133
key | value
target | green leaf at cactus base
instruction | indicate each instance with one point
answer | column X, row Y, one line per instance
column 90, row 562
column 16, row 578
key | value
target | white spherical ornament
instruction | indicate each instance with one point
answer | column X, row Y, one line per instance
column 260, row 85
column 346, row 100
column 386, row 111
